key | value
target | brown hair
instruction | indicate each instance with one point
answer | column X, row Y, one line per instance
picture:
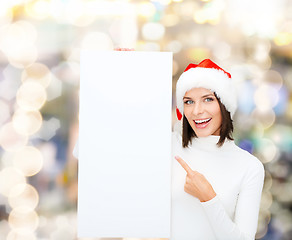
column 225, row 132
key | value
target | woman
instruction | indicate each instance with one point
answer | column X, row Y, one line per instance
column 216, row 186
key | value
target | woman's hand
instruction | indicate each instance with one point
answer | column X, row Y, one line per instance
column 196, row 184
column 124, row 49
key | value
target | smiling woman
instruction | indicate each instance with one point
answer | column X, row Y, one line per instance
column 216, row 186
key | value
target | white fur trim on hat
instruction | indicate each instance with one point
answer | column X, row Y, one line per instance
column 210, row 78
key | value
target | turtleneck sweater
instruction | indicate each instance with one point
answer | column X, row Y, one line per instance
column 237, row 178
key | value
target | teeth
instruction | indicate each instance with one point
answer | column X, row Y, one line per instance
column 202, row 121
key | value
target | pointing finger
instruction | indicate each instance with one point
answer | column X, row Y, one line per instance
column 184, row 165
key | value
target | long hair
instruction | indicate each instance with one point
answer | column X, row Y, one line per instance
column 225, row 131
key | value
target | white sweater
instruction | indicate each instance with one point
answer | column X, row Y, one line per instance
column 237, row 178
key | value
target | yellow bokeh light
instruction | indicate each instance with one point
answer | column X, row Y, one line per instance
column 283, row 38
column 146, row 9
column 23, row 220
column 37, row 72
column 29, row 160
column 10, row 177
column 14, row 235
column 38, row 9
column 23, row 195
column 27, row 122
column 31, row 96
column 10, row 140
column 198, row 54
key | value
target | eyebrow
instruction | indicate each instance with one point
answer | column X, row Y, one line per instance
column 202, row 96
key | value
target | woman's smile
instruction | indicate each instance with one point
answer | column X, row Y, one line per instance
column 202, row 123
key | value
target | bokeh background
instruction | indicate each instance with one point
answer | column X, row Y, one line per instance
column 40, row 44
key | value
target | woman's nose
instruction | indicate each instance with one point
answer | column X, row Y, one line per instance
column 198, row 109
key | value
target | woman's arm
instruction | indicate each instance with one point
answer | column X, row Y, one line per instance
column 245, row 221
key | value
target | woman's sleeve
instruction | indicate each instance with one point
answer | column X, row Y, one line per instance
column 76, row 149
column 244, row 226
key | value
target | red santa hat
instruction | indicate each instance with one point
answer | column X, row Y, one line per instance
column 207, row 75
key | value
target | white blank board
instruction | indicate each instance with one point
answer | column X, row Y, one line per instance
column 125, row 144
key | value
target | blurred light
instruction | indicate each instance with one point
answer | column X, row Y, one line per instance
column 150, row 46
column 10, row 177
column 245, row 97
column 283, row 38
column 23, row 195
column 19, row 53
column 210, row 13
column 266, row 97
column 6, row 15
column 282, row 135
column 268, row 181
column 97, row 41
column 29, row 160
column 10, row 83
column 11, row 34
column 79, row 13
column 14, row 235
column 37, row 72
column 110, row 8
column 31, row 96
column 72, row 54
column 54, row 90
column 23, row 220
column 10, row 140
column 281, row 107
column 266, row 200
column 222, row 50
column 4, row 227
column 49, row 129
column 264, row 218
column 22, row 57
column 174, row 46
column 266, row 118
column 177, row 0
column 175, row 68
column 198, row 54
column 267, row 150
column 153, row 31
column 27, row 122
column 38, row 9
column 163, row 2
column 5, row 112
column 146, row 9
column 170, row 20
column 274, row 79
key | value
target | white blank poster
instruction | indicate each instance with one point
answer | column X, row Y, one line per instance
column 125, row 144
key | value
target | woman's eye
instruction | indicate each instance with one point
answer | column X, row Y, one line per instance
column 189, row 102
column 209, row 99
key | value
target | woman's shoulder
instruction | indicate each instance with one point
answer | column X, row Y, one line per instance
column 250, row 160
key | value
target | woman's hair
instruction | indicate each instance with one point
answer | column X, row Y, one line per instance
column 225, row 132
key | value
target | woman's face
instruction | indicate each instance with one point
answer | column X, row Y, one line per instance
column 202, row 111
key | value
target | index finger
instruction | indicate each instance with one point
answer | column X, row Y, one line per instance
column 184, row 165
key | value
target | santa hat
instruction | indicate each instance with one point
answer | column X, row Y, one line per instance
column 208, row 75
